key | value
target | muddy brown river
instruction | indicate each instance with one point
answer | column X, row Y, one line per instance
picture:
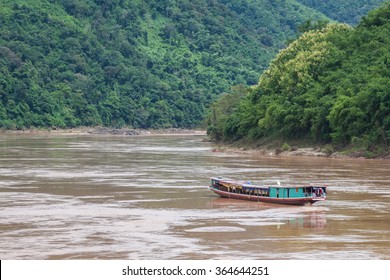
column 146, row 197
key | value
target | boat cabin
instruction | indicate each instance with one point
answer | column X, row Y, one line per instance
column 296, row 192
column 296, row 195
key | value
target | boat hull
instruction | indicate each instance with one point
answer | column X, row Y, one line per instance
column 289, row 201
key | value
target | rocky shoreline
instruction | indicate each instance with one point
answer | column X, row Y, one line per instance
column 131, row 132
column 298, row 152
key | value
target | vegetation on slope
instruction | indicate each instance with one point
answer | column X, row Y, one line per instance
column 137, row 63
column 329, row 86
column 347, row 11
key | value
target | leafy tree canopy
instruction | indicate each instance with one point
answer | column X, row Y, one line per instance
column 128, row 62
column 348, row 11
column 330, row 85
column 140, row 63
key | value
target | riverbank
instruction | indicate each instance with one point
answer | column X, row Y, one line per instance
column 272, row 149
column 286, row 150
column 80, row 131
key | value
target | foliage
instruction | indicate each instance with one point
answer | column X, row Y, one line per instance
column 330, row 85
column 286, row 147
column 348, row 11
column 135, row 63
column 221, row 110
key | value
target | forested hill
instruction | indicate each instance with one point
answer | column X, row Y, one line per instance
column 140, row 63
column 329, row 86
column 347, row 11
column 65, row 63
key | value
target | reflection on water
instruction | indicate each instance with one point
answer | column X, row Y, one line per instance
column 147, row 198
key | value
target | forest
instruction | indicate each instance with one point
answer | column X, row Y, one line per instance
column 330, row 86
column 139, row 63
column 346, row 11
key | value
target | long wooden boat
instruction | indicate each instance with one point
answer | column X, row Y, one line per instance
column 293, row 195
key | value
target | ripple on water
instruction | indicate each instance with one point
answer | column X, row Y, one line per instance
column 216, row 229
column 146, row 198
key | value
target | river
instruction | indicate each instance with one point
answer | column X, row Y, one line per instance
column 146, row 197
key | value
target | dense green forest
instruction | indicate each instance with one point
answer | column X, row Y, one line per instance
column 139, row 63
column 329, row 86
column 347, row 11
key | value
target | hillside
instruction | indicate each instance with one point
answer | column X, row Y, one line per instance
column 329, row 86
column 136, row 63
column 347, row 11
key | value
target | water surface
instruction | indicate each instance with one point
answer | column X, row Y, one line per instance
column 146, row 197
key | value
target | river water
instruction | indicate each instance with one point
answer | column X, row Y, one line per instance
column 146, row 197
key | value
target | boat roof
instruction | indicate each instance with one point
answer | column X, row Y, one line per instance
column 245, row 184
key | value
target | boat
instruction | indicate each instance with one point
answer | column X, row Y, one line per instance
column 293, row 195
